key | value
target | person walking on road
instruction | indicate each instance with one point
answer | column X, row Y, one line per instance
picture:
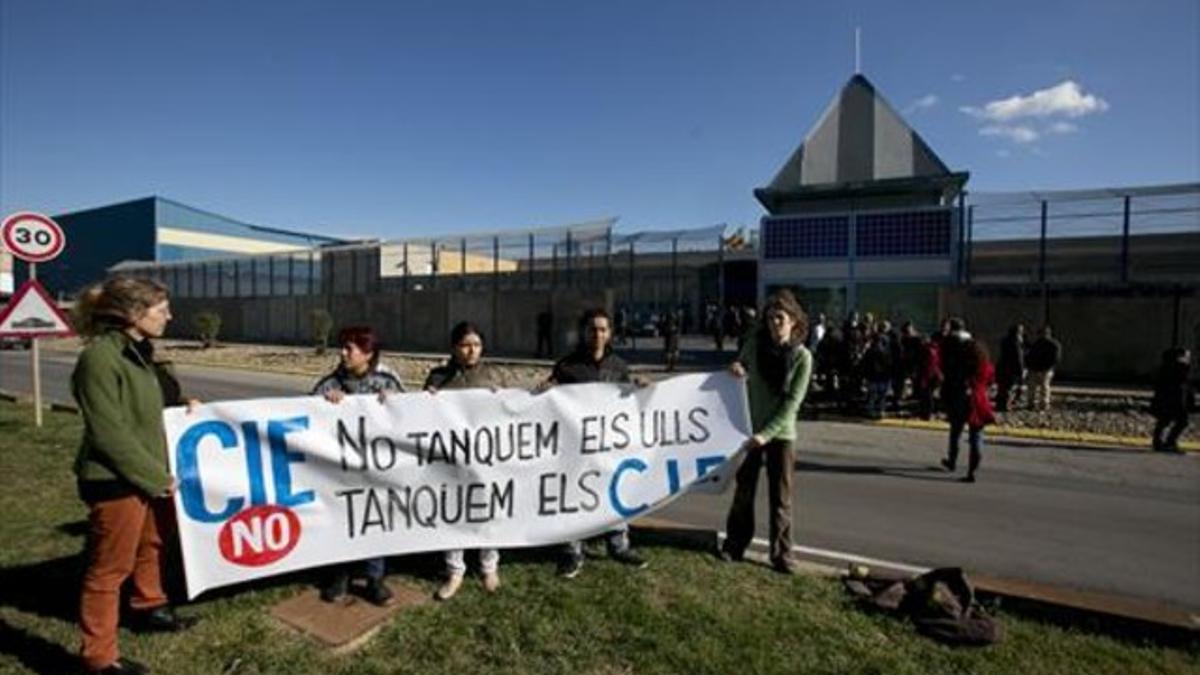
column 359, row 372
column 1043, row 357
column 969, row 374
column 777, row 368
column 121, row 466
column 466, row 370
column 1174, row 398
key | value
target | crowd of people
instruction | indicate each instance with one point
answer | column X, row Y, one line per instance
column 122, row 389
column 875, row 367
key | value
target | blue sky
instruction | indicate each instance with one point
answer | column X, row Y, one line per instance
column 398, row 119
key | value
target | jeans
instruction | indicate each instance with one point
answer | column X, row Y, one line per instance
column 1175, row 426
column 373, row 569
column 489, row 561
column 974, row 443
column 615, row 540
column 877, row 392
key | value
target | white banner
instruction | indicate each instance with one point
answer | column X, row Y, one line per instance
column 274, row 485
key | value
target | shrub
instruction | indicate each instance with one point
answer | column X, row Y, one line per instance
column 322, row 325
column 208, row 326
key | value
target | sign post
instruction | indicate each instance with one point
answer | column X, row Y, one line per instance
column 34, row 238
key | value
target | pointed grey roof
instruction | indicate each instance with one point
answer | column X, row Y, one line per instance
column 860, row 140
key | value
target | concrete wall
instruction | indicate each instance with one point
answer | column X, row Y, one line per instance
column 416, row 320
column 1106, row 334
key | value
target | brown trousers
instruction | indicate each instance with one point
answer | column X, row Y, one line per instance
column 125, row 540
column 779, row 457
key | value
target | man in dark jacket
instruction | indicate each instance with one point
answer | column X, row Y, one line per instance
column 594, row 361
column 1043, row 357
column 1010, row 370
column 1174, row 398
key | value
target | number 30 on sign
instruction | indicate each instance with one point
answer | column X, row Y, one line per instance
column 32, row 237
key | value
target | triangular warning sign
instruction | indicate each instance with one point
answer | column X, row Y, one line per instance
column 33, row 314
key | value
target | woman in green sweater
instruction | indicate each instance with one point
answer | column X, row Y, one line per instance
column 121, row 467
column 777, row 368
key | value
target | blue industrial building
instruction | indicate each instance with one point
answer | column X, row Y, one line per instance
column 155, row 229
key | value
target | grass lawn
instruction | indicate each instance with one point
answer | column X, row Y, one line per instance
column 686, row 613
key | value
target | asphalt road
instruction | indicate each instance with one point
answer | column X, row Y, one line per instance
column 1114, row 521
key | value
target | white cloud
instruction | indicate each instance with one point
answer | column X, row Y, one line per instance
column 1066, row 99
column 924, row 103
column 1003, row 153
column 1016, row 134
column 1062, row 128
column 958, row 77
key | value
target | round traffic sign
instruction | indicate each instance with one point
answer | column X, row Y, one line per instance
column 32, row 237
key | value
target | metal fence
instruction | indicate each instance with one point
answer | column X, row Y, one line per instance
column 1117, row 235
column 583, row 256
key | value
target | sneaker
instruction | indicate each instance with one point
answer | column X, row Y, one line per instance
column 449, row 588
column 569, row 567
column 119, row 667
column 726, row 556
column 377, row 593
column 159, row 620
column 629, row 557
column 335, row 588
column 491, row 581
column 784, row 566
column 947, row 465
column 969, row 478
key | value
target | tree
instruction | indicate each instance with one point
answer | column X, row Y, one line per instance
column 208, row 326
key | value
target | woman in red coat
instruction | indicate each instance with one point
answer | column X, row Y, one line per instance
column 980, row 374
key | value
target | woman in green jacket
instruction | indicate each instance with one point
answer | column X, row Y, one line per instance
column 122, row 464
column 777, row 368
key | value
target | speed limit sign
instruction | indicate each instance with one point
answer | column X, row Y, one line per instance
column 32, row 237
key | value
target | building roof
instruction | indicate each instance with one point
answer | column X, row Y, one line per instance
column 172, row 214
column 859, row 144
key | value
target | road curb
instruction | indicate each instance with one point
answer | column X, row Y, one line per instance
column 1081, row 438
column 1107, row 612
column 54, row 406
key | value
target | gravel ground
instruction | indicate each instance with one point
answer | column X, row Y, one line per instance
column 1117, row 415
column 300, row 360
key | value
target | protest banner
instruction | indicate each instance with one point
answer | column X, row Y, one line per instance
column 275, row 485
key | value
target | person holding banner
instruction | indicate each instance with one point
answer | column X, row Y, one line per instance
column 777, row 368
column 466, row 370
column 122, row 467
column 359, row 372
column 594, row 361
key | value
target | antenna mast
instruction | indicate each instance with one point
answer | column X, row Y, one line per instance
column 857, row 50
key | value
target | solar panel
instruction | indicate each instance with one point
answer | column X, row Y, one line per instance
column 877, row 235
column 806, row 237
column 910, row 233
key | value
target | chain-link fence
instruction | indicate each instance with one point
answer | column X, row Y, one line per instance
column 648, row 271
column 1119, row 235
